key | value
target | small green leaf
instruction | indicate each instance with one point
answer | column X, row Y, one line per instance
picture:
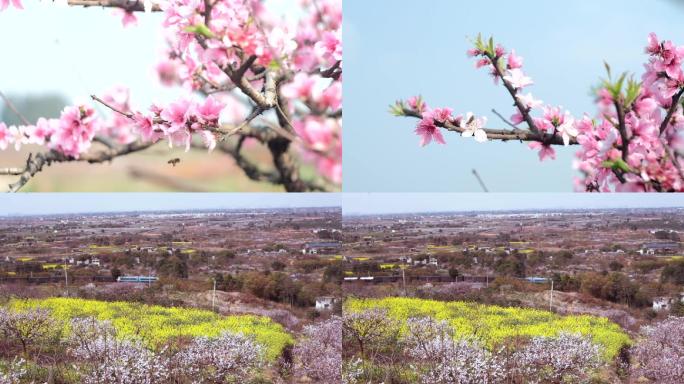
column 620, row 83
column 200, row 29
column 617, row 165
column 397, row 109
column 274, row 65
column 605, row 63
column 633, row 91
column 478, row 43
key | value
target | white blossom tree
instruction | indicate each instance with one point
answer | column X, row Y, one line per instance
column 14, row 372
column 227, row 358
column 320, row 352
column 449, row 360
column 107, row 359
column 659, row 356
column 32, row 327
column 563, row 358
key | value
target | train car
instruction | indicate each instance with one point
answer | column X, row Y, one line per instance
column 136, row 279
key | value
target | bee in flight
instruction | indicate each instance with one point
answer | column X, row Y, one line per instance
column 174, row 161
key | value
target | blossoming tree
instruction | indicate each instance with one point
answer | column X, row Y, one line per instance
column 660, row 354
column 634, row 143
column 320, row 353
column 249, row 76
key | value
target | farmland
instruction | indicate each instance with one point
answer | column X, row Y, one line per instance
column 157, row 296
column 505, row 296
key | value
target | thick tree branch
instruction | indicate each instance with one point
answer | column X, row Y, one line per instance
column 622, row 129
column 35, row 164
column 252, row 170
column 11, row 171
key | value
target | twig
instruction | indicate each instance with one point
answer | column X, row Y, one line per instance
column 494, row 111
column 673, row 157
column 671, row 111
column 14, row 109
column 334, row 72
column 479, row 179
column 255, row 113
column 245, row 66
column 164, row 180
column 125, row 114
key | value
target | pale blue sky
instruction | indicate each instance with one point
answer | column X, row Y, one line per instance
column 379, row 203
column 51, row 203
column 397, row 48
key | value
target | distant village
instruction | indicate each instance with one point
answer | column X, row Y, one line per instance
column 137, row 250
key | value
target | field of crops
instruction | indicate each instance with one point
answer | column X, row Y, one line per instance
column 495, row 324
column 156, row 324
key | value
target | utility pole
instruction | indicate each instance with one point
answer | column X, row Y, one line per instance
column 66, row 278
column 403, row 278
column 551, row 297
column 213, row 296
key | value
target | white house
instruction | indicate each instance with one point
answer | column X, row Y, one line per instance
column 325, row 303
column 664, row 303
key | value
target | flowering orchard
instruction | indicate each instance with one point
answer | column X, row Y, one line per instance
column 429, row 350
column 634, row 143
column 155, row 325
column 249, row 75
column 122, row 342
column 494, row 325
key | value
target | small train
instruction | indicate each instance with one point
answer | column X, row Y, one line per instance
column 137, row 279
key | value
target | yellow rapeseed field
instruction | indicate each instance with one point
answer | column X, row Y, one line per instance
column 493, row 324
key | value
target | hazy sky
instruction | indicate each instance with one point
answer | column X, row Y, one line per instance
column 399, row 48
column 50, row 203
column 371, row 203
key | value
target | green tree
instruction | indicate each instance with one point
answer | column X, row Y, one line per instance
column 673, row 273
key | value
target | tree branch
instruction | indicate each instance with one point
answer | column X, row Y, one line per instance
column 35, row 164
column 622, row 129
column 500, row 134
column 514, row 94
column 163, row 180
column 671, row 111
column 130, row 6
column 479, row 180
column 125, row 114
column 14, row 109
